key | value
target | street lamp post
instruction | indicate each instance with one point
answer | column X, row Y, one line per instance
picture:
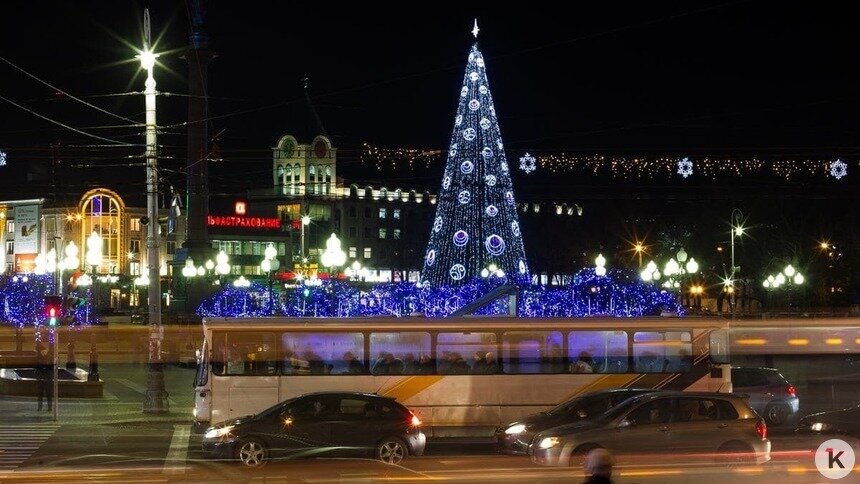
column 306, row 220
column 737, row 231
column 333, row 257
column 269, row 264
column 155, row 398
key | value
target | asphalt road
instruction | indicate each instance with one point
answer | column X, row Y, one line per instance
column 165, row 452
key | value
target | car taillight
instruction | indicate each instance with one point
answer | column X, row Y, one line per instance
column 761, row 428
column 414, row 421
column 791, row 390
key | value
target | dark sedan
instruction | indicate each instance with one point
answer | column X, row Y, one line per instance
column 319, row 424
column 515, row 437
column 836, row 422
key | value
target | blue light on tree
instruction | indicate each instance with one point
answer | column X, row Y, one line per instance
column 476, row 219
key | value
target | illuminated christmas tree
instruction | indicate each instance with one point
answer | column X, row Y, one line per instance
column 476, row 228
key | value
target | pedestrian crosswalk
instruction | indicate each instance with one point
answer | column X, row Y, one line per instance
column 19, row 441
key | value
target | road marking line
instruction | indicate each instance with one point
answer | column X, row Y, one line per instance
column 175, row 461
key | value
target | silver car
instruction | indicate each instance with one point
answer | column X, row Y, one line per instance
column 701, row 426
column 771, row 395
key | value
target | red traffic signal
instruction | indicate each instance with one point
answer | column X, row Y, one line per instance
column 53, row 309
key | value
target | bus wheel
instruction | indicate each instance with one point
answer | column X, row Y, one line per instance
column 391, row 450
column 252, row 453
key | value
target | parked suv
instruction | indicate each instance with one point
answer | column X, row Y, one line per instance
column 667, row 425
column 516, row 437
column 320, row 424
column 771, row 395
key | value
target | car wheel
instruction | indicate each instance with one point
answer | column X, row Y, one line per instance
column 734, row 454
column 391, row 450
column 252, row 453
column 577, row 457
column 776, row 414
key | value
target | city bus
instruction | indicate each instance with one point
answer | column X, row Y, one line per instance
column 463, row 376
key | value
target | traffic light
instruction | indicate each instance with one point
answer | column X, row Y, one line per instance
column 53, row 309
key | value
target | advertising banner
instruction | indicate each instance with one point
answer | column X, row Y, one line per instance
column 27, row 229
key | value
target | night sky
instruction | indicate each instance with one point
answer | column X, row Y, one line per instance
column 744, row 78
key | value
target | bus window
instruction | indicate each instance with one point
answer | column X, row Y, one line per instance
column 532, row 352
column 464, row 353
column 662, row 351
column 400, row 353
column 322, row 353
column 246, row 353
column 597, row 351
column 201, row 378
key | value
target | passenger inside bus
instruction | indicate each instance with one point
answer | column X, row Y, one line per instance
column 353, row 366
column 585, row 364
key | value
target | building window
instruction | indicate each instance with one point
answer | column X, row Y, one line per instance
column 383, row 233
column 352, row 252
column 134, row 268
column 50, row 224
column 135, row 224
column 353, row 232
column 171, row 247
column 10, row 247
column 366, row 215
column 367, row 232
column 396, row 214
column 383, row 212
column 366, row 253
column 396, row 234
column 135, row 247
column 352, row 211
column 10, row 226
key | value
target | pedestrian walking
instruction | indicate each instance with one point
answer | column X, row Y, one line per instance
column 598, row 467
column 44, row 367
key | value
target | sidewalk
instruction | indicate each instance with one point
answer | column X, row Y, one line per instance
column 125, row 385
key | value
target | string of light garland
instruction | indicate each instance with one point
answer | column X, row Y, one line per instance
column 626, row 167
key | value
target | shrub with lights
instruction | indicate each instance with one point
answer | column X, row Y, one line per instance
column 616, row 293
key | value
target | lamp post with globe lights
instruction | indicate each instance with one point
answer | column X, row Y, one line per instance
column 789, row 278
column 270, row 264
column 600, row 265
column 333, row 257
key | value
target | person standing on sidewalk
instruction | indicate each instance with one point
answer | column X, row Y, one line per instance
column 44, row 367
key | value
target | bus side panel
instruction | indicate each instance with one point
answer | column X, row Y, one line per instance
column 242, row 396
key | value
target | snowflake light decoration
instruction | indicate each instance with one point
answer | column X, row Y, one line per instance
column 838, row 169
column 685, row 167
column 528, row 163
column 2, row 158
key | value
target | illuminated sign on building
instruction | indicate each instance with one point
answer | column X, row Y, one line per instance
column 244, row 222
column 240, row 207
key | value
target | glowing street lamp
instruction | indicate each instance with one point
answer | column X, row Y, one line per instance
column 599, row 265
column 333, row 256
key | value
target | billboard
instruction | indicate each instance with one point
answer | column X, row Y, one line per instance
column 27, row 229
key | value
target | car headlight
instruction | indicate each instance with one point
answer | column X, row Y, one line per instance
column 515, row 429
column 549, row 442
column 218, row 432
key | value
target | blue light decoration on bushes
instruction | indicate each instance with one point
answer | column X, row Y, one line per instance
column 476, row 218
column 22, row 299
column 616, row 294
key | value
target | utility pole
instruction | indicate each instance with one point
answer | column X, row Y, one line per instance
column 155, row 399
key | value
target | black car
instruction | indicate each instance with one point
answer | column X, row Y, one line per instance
column 837, row 422
column 515, row 437
column 320, row 424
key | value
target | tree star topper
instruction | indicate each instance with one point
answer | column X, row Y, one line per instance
column 475, row 29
